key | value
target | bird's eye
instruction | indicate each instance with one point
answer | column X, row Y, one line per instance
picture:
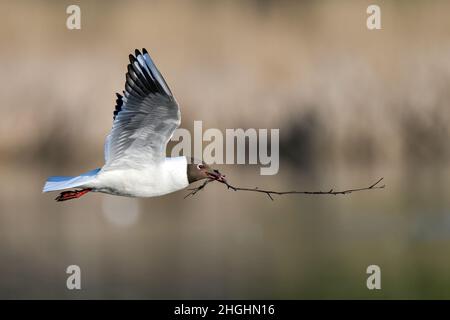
column 200, row 166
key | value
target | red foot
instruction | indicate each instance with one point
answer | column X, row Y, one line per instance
column 73, row 194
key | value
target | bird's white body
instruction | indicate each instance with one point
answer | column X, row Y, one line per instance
column 153, row 180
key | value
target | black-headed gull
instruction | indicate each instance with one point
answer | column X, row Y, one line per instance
column 135, row 163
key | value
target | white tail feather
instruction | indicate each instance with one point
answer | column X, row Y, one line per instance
column 59, row 183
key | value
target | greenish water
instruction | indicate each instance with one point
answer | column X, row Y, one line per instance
column 222, row 244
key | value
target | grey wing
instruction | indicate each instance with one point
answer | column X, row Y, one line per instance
column 145, row 116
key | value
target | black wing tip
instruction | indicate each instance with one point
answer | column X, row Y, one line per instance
column 138, row 53
column 119, row 104
column 143, row 77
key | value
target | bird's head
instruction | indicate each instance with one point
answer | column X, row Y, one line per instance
column 200, row 171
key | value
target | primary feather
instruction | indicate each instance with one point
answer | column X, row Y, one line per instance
column 145, row 116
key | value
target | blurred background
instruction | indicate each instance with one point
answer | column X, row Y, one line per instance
column 352, row 105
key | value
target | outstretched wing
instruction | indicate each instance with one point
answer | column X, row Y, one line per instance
column 145, row 117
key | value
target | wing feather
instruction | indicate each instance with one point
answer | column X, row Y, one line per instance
column 145, row 117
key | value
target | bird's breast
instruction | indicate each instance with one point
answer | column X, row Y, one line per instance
column 148, row 182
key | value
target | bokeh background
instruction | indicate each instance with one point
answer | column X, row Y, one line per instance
column 352, row 105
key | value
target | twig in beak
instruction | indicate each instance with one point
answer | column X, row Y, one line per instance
column 193, row 191
column 220, row 178
column 331, row 192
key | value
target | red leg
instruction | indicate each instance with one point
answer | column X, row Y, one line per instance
column 73, row 194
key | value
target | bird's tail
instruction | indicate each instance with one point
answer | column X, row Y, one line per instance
column 59, row 183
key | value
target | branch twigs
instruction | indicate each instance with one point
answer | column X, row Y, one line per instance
column 330, row 192
column 193, row 191
column 271, row 193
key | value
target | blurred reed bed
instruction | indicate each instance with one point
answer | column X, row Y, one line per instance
column 339, row 93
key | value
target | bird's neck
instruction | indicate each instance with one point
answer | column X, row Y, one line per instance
column 176, row 169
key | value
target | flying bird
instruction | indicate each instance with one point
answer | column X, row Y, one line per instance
column 144, row 119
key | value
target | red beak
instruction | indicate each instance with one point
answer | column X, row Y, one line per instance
column 216, row 175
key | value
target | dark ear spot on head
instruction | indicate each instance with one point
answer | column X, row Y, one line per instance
column 195, row 172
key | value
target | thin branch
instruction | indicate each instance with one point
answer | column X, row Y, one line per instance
column 193, row 191
column 330, row 192
column 270, row 193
